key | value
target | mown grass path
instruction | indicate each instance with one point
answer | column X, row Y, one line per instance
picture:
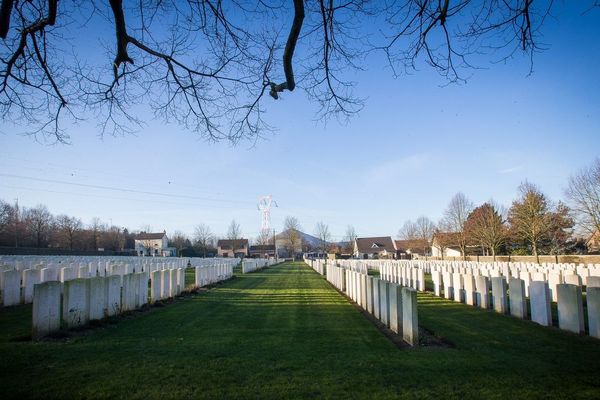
column 285, row 333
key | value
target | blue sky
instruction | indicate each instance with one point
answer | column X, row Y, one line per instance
column 408, row 152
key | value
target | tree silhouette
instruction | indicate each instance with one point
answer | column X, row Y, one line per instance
column 208, row 64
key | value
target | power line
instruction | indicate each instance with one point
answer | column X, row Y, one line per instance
column 181, row 196
column 71, row 170
column 115, row 198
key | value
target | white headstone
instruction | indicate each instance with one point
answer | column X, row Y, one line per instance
column 482, row 284
column 11, row 287
column 499, row 294
column 31, row 277
column 376, row 299
column 129, row 292
column 384, row 302
column 165, row 284
column 469, row 285
column 369, row 294
column 457, row 285
column 76, row 302
column 570, row 308
column 156, row 286
column 593, row 310
column 98, row 303
column 113, row 295
column 141, row 280
column 49, row 274
column 593, row 281
column 46, row 309
column 395, row 292
column 518, row 303
column 172, row 283
column 410, row 321
column 554, row 279
column 539, row 297
column 573, row 279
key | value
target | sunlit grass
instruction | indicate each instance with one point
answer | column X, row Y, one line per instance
column 284, row 332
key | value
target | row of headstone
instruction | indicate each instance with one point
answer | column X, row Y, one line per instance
column 554, row 274
column 395, row 306
column 141, row 264
column 84, row 300
column 511, row 298
column 166, row 283
column 405, row 275
column 510, row 286
column 337, row 277
column 38, row 269
column 319, row 265
column 207, row 262
column 211, row 274
column 16, row 287
column 255, row 264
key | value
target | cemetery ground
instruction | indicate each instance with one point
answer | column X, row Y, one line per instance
column 284, row 332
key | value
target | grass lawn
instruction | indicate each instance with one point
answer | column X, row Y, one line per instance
column 284, row 332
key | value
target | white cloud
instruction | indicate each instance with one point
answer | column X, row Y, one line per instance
column 413, row 163
column 511, row 170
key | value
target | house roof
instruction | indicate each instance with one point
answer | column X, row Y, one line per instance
column 411, row 244
column 371, row 245
column 262, row 247
column 228, row 243
column 150, row 236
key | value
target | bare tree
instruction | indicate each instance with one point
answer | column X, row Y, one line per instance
column 264, row 238
column 38, row 222
column 234, row 233
column 349, row 237
column 409, row 231
column 485, row 225
column 293, row 241
column 455, row 218
column 10, row 224
column 114, row 239
column 425, row 229
column 530, row 217
column 322, row 232
column 208, row 65
column 96, row 227
column 203, row 237
column 179, row 240
column 69, row 230
column 583, row 193
column 561, row 229
column 5, row 211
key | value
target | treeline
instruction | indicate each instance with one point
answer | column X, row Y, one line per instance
column 532, row 225
column 38, row 227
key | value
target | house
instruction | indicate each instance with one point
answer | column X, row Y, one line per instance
column 153, row 245
column 409, row 248
column 262, row 251
column 593, row 243
column 232, row 248
column 449, row 242
column 445, row 244
column 374, row 247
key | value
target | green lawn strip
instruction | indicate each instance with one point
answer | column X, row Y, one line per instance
column 284, row 332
